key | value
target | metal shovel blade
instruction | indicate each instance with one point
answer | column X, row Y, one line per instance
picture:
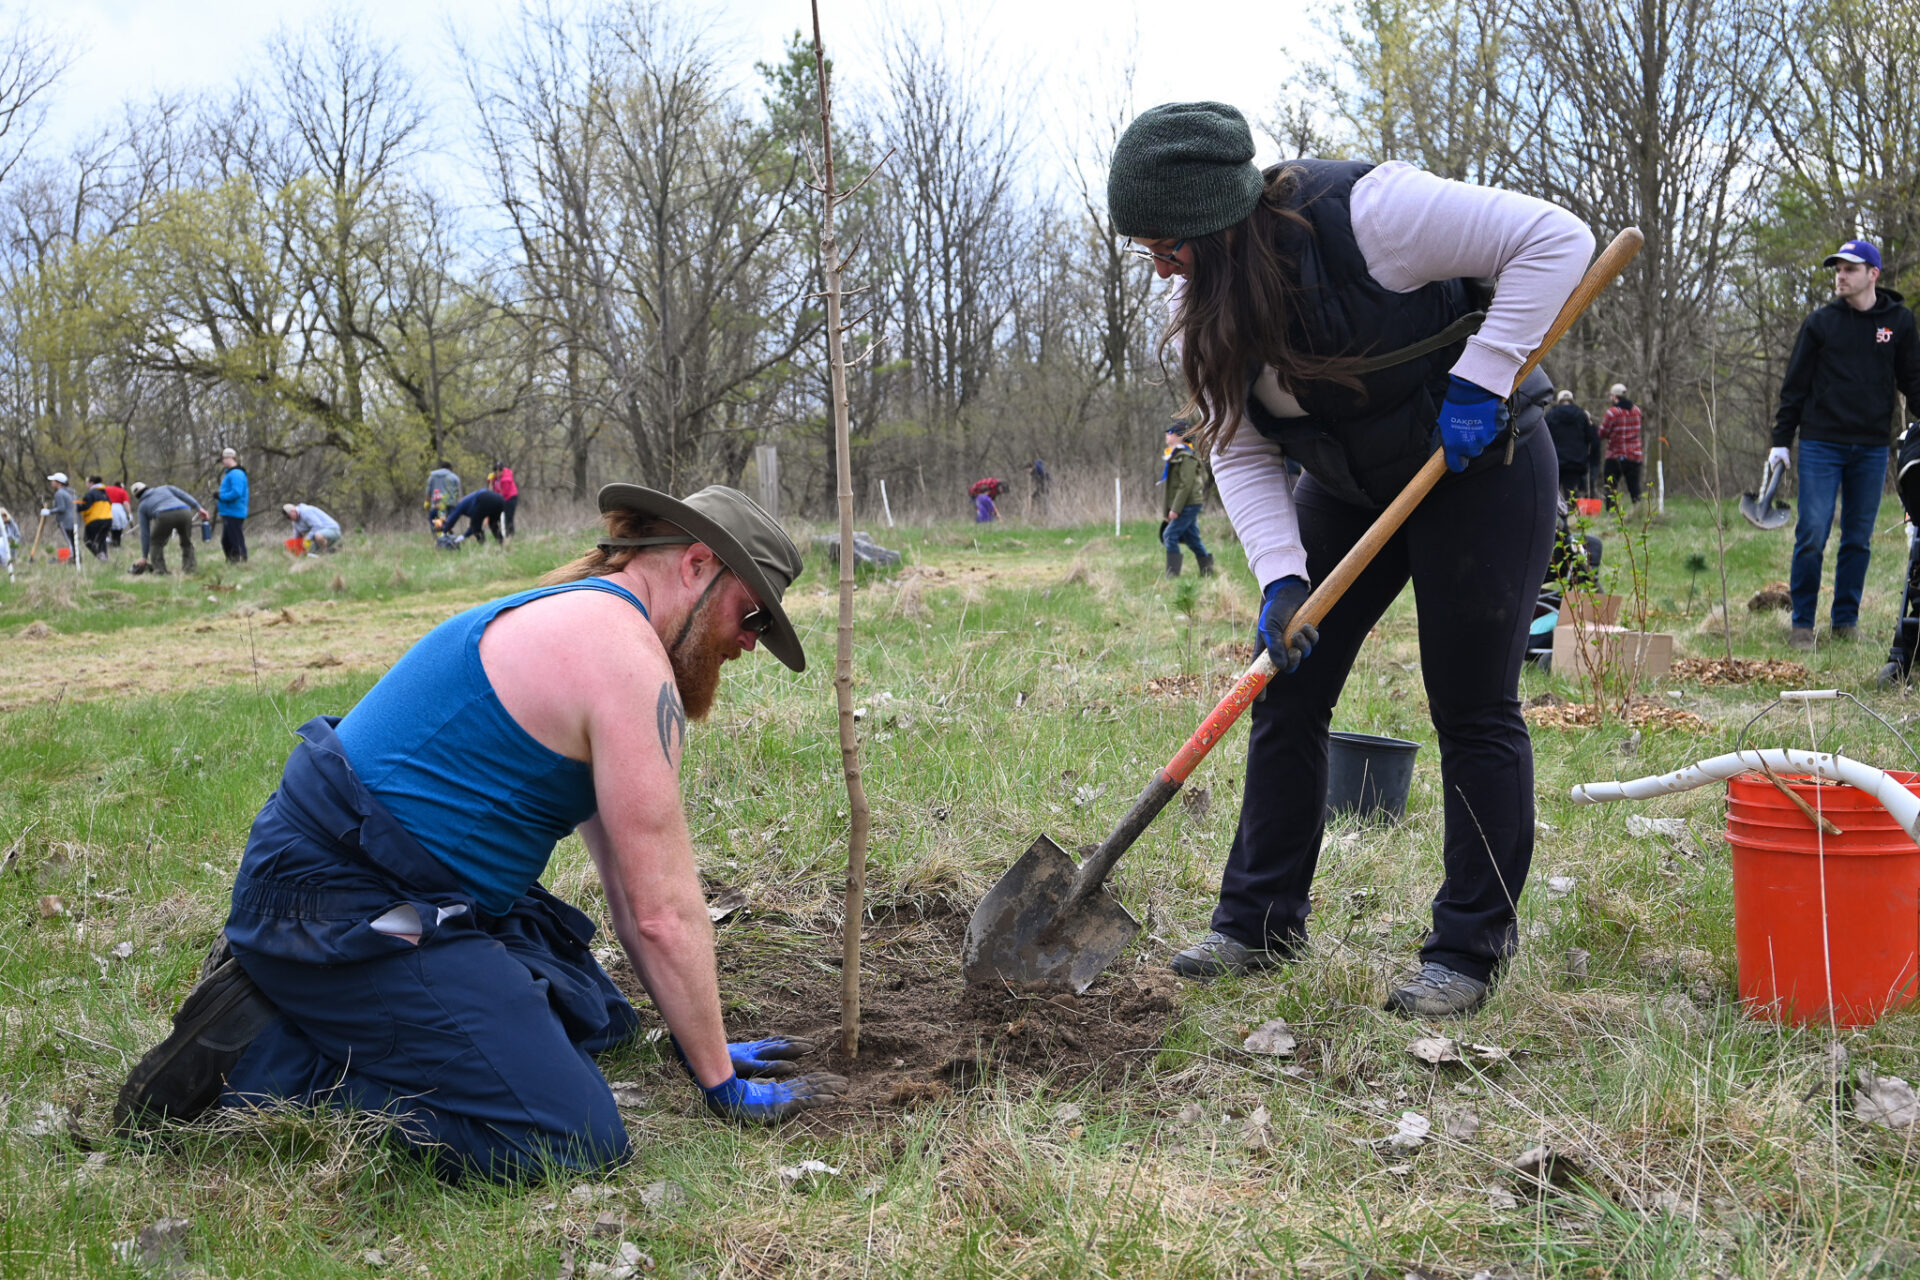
column 1761, row 509
column 1027, row 930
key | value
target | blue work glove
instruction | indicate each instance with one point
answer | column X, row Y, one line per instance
column 1469, row 420
column 769, row 1059
column 768, row 1101
column 1279, row 602
column 763, row 1059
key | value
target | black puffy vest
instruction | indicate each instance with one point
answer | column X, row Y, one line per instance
column 1363, row 445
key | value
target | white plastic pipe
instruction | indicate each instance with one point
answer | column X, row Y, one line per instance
column 1660, row 478
column 888, row 506
column 1894, row 798
column 1116, row 506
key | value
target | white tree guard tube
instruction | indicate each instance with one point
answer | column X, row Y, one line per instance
column 1894, row 798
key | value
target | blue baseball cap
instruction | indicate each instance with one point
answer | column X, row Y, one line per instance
column 1854, row 251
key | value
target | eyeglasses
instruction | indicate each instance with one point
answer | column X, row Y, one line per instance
column 1170, row 257
column 759, row 622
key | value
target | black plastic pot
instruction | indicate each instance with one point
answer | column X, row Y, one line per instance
column 1369, row 776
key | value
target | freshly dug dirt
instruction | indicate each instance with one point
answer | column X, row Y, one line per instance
column 924, row 1035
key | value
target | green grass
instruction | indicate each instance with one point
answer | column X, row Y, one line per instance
column 1002, row 672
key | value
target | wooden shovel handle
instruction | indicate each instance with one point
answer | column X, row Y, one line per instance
column 1605, row 267
column 1601, row 274
column 1167, row 781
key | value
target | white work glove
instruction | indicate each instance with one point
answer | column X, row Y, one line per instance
column 1781, row 455
column 46, row 511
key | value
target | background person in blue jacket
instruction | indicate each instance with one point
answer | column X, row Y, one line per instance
column 231, row 507
column 1852, row 355
column 390, row 947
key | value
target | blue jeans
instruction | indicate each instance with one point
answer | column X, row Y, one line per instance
column 1853, row 474
column 1186, row 529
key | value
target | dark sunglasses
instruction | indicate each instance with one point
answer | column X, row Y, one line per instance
column 759, row 622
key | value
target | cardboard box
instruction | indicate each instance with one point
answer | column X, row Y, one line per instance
column 1612, row 649
column 1584, row 608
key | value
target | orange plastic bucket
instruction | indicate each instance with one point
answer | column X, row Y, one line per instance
column 1870, row 945
column 297, row 545
column 1589, row 507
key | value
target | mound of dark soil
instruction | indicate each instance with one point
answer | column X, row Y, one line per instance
column 925, row 1035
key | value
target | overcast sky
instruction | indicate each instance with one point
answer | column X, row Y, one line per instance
column 1061, row 54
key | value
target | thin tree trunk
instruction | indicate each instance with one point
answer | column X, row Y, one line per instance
column 843, row 652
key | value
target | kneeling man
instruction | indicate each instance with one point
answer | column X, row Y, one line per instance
column 390, row 947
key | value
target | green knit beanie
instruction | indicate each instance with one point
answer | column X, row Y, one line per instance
column 1181, row 170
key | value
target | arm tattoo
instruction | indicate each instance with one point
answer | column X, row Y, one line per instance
column 672, row 719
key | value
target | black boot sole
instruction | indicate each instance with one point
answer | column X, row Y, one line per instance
column 182, row 1075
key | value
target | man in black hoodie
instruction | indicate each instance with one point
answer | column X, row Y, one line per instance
column 1852, row 356
column 1576, row 442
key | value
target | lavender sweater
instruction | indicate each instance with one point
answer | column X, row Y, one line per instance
column 1414, row 228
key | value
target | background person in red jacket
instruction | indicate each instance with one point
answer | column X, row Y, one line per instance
column 508, row 488
column 1852, row 356
column 1620, row 435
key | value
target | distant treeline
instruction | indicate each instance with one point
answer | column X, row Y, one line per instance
column 284, row 267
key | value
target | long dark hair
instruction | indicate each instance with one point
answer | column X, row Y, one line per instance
column 1241, row 297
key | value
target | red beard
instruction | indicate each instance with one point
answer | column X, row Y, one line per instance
column 697, row 659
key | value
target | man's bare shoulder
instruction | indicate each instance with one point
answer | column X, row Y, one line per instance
column 580, row 624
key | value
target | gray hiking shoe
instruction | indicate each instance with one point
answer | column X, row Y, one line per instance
column 1800, row 638
column 1437, row 992
column 1217, row 955
column 182, row 1075
column 1846, row 635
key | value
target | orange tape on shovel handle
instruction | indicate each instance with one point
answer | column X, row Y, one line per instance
column 1222, row 718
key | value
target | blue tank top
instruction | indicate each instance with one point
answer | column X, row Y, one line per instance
column 434, row 743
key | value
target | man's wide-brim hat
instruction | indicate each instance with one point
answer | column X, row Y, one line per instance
column 745, row 538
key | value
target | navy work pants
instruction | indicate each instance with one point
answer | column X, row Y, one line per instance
column 1476, row 550
column 478, row 1039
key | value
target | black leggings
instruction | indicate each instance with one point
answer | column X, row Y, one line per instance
column 1476, row 550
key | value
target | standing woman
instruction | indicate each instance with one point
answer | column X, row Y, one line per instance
column 1322, row 315
column 509, row 490
column 235, row 496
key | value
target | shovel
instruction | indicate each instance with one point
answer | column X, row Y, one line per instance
column 1047, row 921
column 1761, row 509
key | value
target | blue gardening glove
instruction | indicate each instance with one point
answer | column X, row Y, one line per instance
column 767, row 1101
column 1469, row 420
column 1279, row 602
column 769, row 1059
column 756, row 1059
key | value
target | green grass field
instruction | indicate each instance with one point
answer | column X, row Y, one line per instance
column 1005, row 677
